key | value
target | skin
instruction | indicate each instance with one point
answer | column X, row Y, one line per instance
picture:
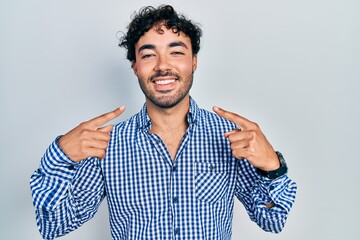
column 164, row 67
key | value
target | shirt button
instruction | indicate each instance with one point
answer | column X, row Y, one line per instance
column 71, row 167
column 177, row 231
column 176, row 199
column 272, row 187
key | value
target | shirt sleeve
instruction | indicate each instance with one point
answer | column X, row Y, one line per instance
column 254, row 191
column 65, row 193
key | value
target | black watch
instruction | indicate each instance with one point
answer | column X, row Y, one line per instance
column 275, row 173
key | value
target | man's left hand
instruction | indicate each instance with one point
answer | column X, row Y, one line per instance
column 249, row 142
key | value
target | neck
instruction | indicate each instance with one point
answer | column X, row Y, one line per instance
column 169, row 119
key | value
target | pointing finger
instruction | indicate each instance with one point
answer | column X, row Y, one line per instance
column 104, row 118
column 233, row 117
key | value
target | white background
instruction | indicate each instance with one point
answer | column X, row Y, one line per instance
column 291, row 66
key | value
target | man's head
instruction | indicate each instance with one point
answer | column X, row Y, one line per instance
column 162, row 47
column 148, row 17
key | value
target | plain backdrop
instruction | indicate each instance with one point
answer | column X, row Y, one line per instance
column 291, row 66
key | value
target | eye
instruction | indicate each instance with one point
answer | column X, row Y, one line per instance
column 177, row 53
column 147, row 56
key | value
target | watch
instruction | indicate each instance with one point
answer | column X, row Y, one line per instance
column 277, row 172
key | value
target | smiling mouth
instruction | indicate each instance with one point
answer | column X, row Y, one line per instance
column 164, row 78
column 164, row 82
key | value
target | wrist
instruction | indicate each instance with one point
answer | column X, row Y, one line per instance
column 279, row 171
column 273, row 163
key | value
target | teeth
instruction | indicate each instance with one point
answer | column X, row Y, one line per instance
column 163, row 82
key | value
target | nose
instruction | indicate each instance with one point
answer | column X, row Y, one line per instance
column 163, row 64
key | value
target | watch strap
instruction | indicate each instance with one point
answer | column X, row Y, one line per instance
column 277, row 172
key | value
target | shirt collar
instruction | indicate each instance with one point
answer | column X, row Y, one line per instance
column 144, row 121
column 193, row 112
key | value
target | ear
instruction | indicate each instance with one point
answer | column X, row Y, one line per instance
column 194, row 63
column 134, row 67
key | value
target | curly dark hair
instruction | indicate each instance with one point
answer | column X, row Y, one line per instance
column 149, row 16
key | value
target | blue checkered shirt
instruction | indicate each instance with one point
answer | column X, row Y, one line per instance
column 149, row 195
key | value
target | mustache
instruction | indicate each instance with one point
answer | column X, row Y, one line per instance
column 163, row 74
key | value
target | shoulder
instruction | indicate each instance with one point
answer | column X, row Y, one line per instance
column 213, row 121
column 126, row 128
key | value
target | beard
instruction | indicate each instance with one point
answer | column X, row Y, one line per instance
column 167, row 100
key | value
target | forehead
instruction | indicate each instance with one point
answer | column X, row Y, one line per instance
column 160, row 36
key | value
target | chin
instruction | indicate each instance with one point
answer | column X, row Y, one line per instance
column 166, row 102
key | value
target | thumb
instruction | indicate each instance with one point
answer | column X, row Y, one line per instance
column 106, row 129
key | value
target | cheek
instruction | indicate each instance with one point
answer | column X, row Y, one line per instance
column 142, row 70
column 186, row 67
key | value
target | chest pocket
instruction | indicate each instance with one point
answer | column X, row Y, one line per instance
column 211, row 181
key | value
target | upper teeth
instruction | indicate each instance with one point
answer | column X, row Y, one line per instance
column 163, row 82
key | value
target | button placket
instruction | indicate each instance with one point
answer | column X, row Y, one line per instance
column 175, row 200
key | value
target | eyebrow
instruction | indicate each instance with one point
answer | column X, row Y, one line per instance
column 178, row 44
column 146, row 46
column 172, row 44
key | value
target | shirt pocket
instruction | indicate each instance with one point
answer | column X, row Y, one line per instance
column 211, row 181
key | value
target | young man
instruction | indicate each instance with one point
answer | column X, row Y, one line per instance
column 172, row 170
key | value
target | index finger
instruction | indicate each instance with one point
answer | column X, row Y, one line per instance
column 106, row 117
column 233, row 117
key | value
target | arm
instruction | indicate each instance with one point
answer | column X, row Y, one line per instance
column 68, row 187
column 65, row 193
column 267, row 201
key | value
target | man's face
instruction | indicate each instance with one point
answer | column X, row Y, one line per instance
column 164, row 66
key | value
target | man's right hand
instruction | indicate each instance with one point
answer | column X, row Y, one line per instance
column 89, row 139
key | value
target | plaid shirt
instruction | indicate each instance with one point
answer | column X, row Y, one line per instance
column 151, row 196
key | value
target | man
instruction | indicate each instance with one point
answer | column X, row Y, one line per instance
column 172, row 170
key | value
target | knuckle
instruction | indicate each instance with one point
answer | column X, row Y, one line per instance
column 107, row 137
column 84, row 133
column 105, row 145
column 101, row 154
column 83, row 144
column 256, row 125
column 235, row 153
column 251, row 151
column 252, row 134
